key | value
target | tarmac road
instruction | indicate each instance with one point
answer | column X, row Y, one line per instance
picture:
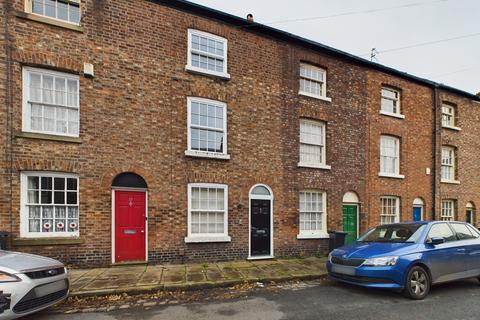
column 460, row 300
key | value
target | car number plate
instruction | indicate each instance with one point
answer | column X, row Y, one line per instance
column 50, row 288
column 343, row 270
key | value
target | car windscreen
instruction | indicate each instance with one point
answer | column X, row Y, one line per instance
column 394, row 233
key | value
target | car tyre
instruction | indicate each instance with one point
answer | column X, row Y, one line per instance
column 417, row 283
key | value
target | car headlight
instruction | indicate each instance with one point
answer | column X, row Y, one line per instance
column 330, row 257
column 381, row 261
column 7, row 277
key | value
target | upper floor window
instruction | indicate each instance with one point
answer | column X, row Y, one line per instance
column 389, row 210
column 207, row 212
column 207, row 53
column 448, row 164
column 207, row 128
column 390, row 102
column 390, row 157
column 65, row 10
column 49, row 204
column 313, row 81
column 313, row 220
column 312, row 144
column 449, row 116
column 448, row 210
column 51, row 102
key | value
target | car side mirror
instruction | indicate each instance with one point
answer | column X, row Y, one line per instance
column 436, row 240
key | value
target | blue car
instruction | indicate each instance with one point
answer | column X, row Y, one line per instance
column 409, row 257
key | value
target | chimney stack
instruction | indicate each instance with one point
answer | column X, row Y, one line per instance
column 250, row 18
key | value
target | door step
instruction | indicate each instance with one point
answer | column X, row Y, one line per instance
column 129, row 263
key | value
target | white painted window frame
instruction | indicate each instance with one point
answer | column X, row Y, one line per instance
column 24, row 213
column 453, row 117
column 190, row 67
column 207, row 237
column 396, row 174
column 314, row 234
column 200, row 153
column 29, row 9
column 452, row 167
column 322, row 144
column 397, row 208
column 397, row 114
column 447, row 205
column 26, row 112
column 323, row 84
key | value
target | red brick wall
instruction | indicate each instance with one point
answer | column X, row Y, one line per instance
column 416, row 146
column 467, row 145
column 133, row 118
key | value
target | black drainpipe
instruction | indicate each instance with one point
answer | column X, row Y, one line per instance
column 435, row 132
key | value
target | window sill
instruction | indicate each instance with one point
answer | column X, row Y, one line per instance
column 452, row 128
column 314, row 96
column 47, row 20
column 391, row 175
column 313, row 236
column 46, row 241
column 203, row 154
column 450, row 181
column 390, row 114
column 314, row 166
column 200, row 71
column 204, row 239
column 44, row 136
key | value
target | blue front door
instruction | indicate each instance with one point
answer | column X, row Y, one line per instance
column 417, row 213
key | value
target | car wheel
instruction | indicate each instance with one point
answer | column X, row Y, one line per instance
column 417, row 283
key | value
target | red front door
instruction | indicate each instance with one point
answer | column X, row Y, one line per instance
column 130, row 221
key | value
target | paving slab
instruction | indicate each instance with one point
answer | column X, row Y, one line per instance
column 174, row 275
column 151, row 276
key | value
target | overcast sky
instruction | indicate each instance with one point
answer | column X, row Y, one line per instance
column 412, row 22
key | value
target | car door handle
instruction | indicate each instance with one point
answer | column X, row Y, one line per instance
column 461, row 250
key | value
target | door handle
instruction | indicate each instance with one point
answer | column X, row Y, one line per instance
column 143, row 231
column 461, row 250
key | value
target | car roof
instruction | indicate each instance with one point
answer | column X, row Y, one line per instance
column 429, row 222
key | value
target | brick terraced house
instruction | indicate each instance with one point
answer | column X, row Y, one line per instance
column 165, row 131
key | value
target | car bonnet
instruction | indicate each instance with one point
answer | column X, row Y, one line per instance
column 375, row 249
column 23, row 262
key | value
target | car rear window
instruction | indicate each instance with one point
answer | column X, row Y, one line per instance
column 441, row 230
column 463, row 233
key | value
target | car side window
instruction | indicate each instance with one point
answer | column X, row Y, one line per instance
column 441, row 230
column 474, row 231
column 463, row 233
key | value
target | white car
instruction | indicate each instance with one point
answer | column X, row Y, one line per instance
column 30, row 283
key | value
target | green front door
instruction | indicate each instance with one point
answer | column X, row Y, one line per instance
column 350, row 223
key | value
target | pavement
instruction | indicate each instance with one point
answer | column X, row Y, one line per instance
column 149, row 278
column 314, row 299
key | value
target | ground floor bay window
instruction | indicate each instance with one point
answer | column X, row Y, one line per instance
column 49, row 205
column 207, row 213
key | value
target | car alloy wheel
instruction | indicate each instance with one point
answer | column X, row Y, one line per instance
column 417, row 283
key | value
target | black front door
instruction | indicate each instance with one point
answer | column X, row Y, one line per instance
column 260, row 227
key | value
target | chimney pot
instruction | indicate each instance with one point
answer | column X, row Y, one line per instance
column 250, row 18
